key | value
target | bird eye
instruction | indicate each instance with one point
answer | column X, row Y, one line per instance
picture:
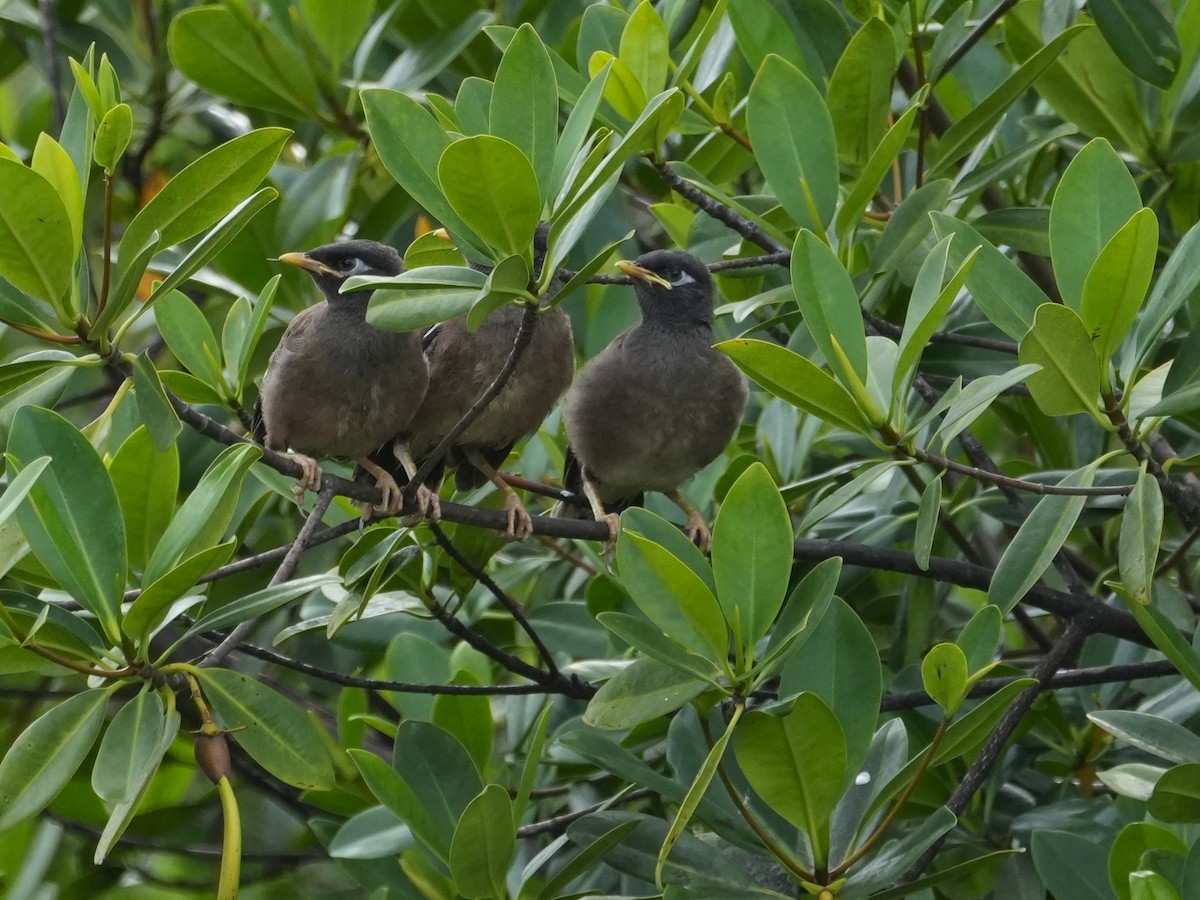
column 348, row 264
column 679, row 277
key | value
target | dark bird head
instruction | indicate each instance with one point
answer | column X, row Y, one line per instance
column 332, row 264
column 673, row 287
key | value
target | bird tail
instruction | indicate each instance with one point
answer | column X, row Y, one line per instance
column 258, row 426
column 573, row 481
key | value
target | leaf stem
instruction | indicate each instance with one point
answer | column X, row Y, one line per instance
column 106, row 262
column 914, row 782
column 231, row 842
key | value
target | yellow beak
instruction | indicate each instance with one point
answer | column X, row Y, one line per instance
column 304, row 261
column 633, row 270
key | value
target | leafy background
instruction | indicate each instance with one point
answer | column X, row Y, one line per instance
column 945, row 642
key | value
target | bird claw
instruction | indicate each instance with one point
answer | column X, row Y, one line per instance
column 613, row 521
column 310, row 477
column 519, row 522
column 697, row 531
column 429, row 506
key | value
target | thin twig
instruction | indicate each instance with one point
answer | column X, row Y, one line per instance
column 282, row 574
column 514, row 608
column 558, row 823
column 973, row 37
column 719, row 210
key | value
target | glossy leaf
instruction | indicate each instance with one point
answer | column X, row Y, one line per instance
column 155, row 601
column 147, row 482
column 524, row 104
column 1166, row 637
column 1134, row 841
column 1142, row 37
column 944, row 676
column 81, row 543
column 794, row 142
column 860, row 93
column 884, row 155
column 492, row 186
column 648, row 639
column 483, row 844
column 1004, row 293
column 36, row 239
column 156, row 411
column 439, row 773
column 45, row 755
column 128, row 747
column 1038, row 541
column 796, row 763
column 752, row 554
column 828, row 303
column 645, row 49
column 1095, row 198
column 206, row 190
column 277, row 734
column 1117, row 283
column 420, row 297
column 645, row 690
column 337, row 28
column 394, row 793
column 1070, row 866
column 1154, row 734
column 54, row 164
column 1176, row 796
column 1141, row 531
column 112, row 136
column 1069, row 381
column 927, row 520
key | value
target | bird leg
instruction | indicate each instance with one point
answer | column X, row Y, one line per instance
column 428, row 504
column 612, row 520
column 392, row 495
column 695, row 528
column 518, row 522
column 310, row 476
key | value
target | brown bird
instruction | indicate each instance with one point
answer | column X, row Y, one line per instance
column 658, row 403
column 338, row 387
column 463, row 364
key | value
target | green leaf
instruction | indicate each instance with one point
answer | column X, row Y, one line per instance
column 206, row 190
column 1095, row 198
column 908, row 225
column 797, row 764
column 1117, row 283
column 153, row 604
column 965, row 134
column 206, row 513
column 1141, row 531
column 645, row 690
column 803, row 610
column 974, row 400
column 695, row 794
column 648, row 639
column 54, row 164
column 1166, row 637
column 19, row 486
column 492, row 186
column 621, row 89
column 1130, row 846
column 752, row 555
column 860, row 94
column 1071, row 867
column 1177, row 282
column 87, row 87
column 1148, row 885
column 256, row 604
column 671, row 595
column 575, row 131
column 241, row 60
column 1176, row 796
column 277, row 734
column 337, row 27
column 507, row 282
column 585, row 860
column 190, row 338
column 645, row 48
column 468, row 718
column 45, row 755
column 1038, row 540
column 794, row 142
column 944, row 676
column 828, row 303
column 127, row 750
column 410, row 143
column 980, row 637
column 70, row 516
column 1142, row 37
column 112, row 136
column 483, row 845
column 420, row 297
column 1004, row 293
column 394, row 793
column 524, row 104
column 761, row 31
column 36, row 239
column 156, row 411
column 881, row 159
column 1069, row 381
column 927, row 521
column 1151, row 733
column 439, row 773
column 147, row 482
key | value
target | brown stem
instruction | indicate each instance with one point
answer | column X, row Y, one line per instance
column 718, row 210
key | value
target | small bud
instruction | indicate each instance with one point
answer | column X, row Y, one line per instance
column 212, row 755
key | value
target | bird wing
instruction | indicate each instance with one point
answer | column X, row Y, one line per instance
column 429, row 338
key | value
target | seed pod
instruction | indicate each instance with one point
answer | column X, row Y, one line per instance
column 212, row 755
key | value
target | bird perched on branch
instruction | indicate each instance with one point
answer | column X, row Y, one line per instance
column 658, row 403
column 462, row 366
column 338, row 387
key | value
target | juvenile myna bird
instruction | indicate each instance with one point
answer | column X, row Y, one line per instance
column 336, row 386
column 658, row 403
column 463, row 364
